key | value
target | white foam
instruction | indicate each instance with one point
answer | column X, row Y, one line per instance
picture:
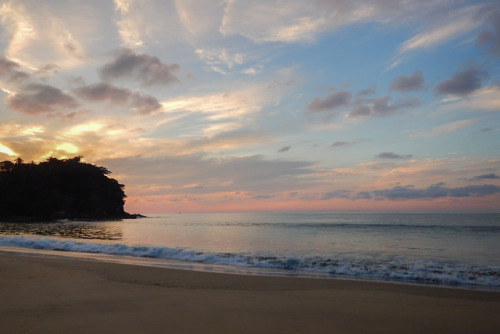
column 424, row 271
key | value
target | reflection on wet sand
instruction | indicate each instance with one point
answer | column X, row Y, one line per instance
column 79, row 230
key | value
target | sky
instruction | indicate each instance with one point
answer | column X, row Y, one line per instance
column 264, row 105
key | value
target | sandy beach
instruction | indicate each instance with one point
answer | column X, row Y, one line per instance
column 61, row 295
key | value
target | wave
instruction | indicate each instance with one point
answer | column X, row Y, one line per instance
column 404, row 270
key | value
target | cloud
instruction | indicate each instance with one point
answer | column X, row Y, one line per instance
column 200, row 18
column 284, row 149
column 490, row 176
column 37, row 35
column 340, row 143
column 41, row 98
column 363, row 195
column 390, row 155
column 144, row 103
column 294, row 22
column 11, row 70
column 177, row 174
column 219, row 106
column 129, row 25
column 490, row 38
column 463, row 82
column 342, row 193
column 301, row 21
column 379, row 107
column 408, row 83
column 264, row 196
column 457, row 23
column 369, row 91
column 360, row 111
column 148, row 70
column 436, row 191
column 446, row 128
column 332, row 101
column 486, row 98
column 220, row 57
column 103, row 91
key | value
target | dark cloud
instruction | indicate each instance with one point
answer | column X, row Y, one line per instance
column 284, row 149
column 11, row 70
column 38, row 98
column 463, row 82
column 486, row 130
column 408, row 83
column 436, row 191
column 332, row 101
column 148, row 70
column 342, row 193
column 399, row 193
column 380, row 107
column 360, row 111
column 490, row 176
column 390, row 155
column 490, row 38
column 340, row 143
column 363, row 195
column 144, row 104
column 102, row 92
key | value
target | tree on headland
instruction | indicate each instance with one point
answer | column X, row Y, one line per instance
column 59, row 188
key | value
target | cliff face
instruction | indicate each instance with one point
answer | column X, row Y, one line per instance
column 56, row 189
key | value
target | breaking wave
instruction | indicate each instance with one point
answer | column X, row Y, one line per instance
column 403, row 270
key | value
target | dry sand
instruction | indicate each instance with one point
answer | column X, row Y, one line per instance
column 61, row 295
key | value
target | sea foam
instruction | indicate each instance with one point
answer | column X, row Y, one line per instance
column 404, row 270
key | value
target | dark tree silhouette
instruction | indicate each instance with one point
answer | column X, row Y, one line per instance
column 56, row 189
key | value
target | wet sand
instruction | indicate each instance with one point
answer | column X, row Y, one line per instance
column 62, row 295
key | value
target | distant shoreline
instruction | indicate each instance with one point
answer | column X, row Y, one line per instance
column 35, row 219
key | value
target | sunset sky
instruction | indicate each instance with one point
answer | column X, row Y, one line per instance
column 233, row 105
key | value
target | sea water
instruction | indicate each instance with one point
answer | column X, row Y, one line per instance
column 450, row 249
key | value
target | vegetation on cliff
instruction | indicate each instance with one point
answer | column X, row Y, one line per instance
column 58, row 189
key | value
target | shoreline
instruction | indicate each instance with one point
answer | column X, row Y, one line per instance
column 203, row 267
column 42, row 294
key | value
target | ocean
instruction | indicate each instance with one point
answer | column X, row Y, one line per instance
column 445, row 249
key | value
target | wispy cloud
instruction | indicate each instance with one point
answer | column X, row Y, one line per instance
column 39, row 37
column 230, row 105
column 217, row 58
column 129, row 23
column 486, row 98
column 490, row 38
column 458, row 23
column 445, row 128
